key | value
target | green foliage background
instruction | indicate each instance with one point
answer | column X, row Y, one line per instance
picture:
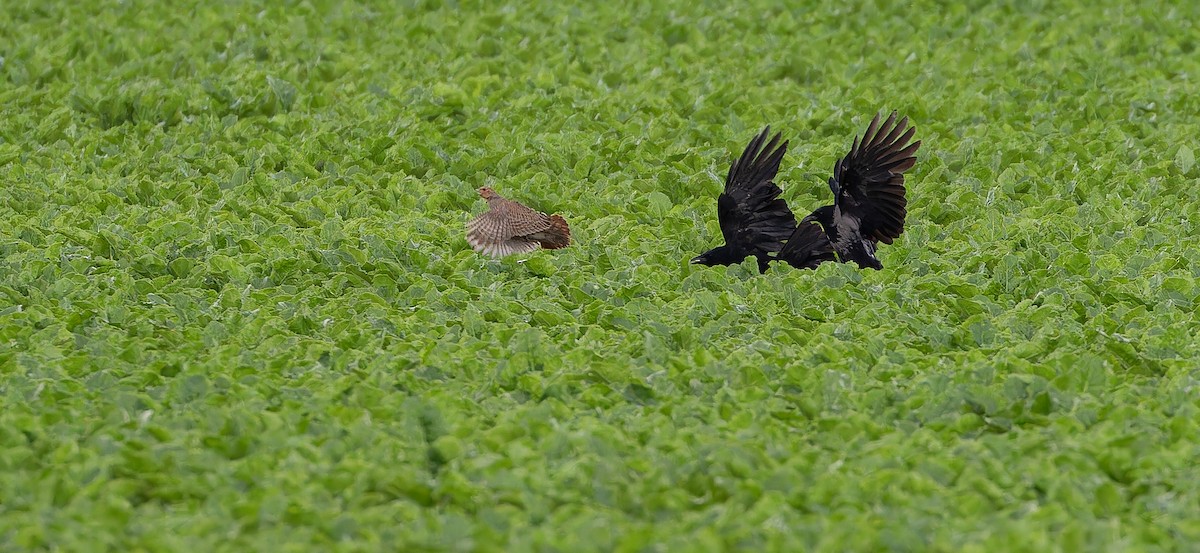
column 237, row 311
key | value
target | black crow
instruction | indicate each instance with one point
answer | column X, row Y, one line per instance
column 754, row 220
column 869, row 205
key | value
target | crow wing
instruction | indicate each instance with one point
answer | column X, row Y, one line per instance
column 868, row 183
column 752, row 215
column 807, row 247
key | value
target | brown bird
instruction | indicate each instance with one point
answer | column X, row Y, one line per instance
column 508, row 227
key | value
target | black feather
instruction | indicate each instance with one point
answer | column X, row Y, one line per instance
column 808, row 247
column 870, row 200
column 754, row 220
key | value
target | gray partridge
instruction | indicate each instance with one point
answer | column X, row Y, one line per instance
column 508, row 227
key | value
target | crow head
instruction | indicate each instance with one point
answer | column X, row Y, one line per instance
column 723, row 255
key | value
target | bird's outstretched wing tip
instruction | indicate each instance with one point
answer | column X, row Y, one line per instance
column 758, row 162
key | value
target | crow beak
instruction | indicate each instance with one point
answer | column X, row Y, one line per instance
column 696, row 259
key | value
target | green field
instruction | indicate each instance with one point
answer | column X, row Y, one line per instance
column 238, row 312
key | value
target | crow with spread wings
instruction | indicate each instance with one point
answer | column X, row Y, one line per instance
column 869, row 203
column 754, row 219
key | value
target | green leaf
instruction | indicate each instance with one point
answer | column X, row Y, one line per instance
column 236, row 304
column 1185, row 159
column 659, row 203
column 284, row 92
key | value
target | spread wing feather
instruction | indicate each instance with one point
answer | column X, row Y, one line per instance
column 868, row 183
column 807, row 247
column 752, row 215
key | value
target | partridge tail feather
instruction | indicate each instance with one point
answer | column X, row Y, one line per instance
column 555, row 237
